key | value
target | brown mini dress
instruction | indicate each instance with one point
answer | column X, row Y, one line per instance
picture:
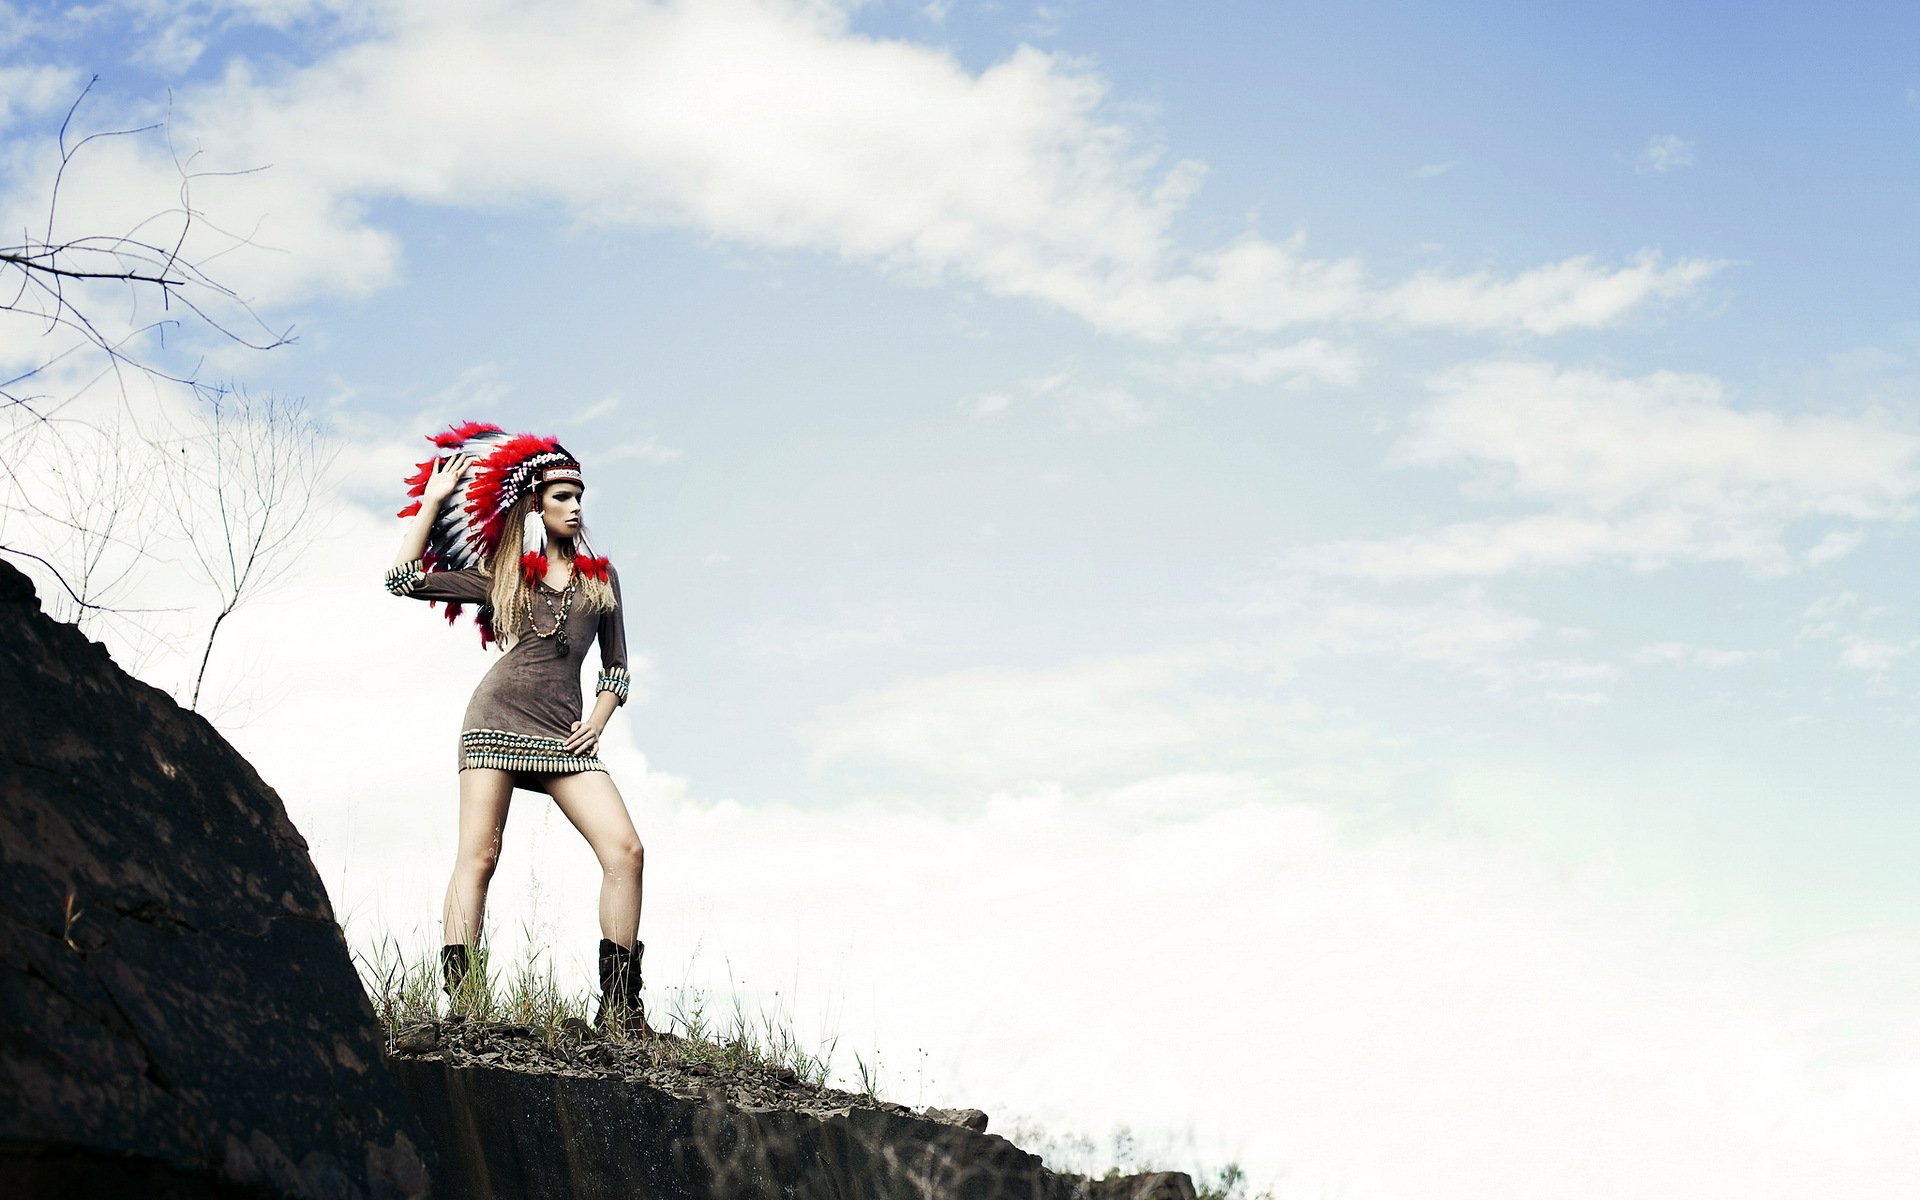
column 524, row 709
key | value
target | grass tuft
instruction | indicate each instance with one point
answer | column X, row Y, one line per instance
column 407, row 993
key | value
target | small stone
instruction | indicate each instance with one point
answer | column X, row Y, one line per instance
column 1151, row 1185
column 418, row 1041
column 966, row 1118
column 700, row 1068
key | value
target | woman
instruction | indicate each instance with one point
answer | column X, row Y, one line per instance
column 514, row 544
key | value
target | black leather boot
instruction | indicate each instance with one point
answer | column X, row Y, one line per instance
column 453, row 967
column 620, row 1004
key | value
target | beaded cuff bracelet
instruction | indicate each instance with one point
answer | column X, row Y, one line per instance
column 405, row 580
column 615, row 680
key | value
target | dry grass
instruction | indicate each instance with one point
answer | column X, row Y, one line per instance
column 406, row 993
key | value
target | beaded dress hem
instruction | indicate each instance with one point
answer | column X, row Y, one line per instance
column 506, row 751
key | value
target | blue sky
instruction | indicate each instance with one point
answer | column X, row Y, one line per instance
column 1449, row 470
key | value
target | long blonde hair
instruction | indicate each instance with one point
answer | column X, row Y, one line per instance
column 508, row 591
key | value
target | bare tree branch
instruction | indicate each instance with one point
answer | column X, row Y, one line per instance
column 75, row 296
column 99, row 503
column 50, row 278
column 243, row 492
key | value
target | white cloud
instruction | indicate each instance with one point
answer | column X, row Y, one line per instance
column 1205, row 706
column 1664, row 152
column 1573, row 294
column 1089, row 406
column 1434, row 170
column 1828, row 607
column 1463, row 631
column 769, row 123
column 1839, row 618
column 986, row 404
column 1609, row 443
column 31, row 91
column 170, row 48
column 17, row 25
column 598, row 409
column 1873, row 654
column 1647, row 471
column 1835, row 544
column 1485, row 548
column 1004, row 724
column 1663, row 653
column 1295, row 367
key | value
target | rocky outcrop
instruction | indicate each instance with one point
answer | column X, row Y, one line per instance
column 522, row 1135
column 519, row 1113
column 179, row 1015
column 180, row 1019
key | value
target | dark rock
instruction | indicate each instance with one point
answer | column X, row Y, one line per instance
column 509, row 1135
column 418, row 1041
column 179, row 1014
column 966, row 1118
column 1154, row 1185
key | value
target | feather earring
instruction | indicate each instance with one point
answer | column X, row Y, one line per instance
column 533, row 548
column 585, row 562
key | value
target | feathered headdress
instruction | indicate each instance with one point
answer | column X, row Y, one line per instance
column 468, row 528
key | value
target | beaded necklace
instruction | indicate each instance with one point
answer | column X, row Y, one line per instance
column 559, row 630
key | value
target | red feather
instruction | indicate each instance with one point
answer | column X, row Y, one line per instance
column 456, row 434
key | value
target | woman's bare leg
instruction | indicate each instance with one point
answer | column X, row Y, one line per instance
column 484, row 796
column 593, row 804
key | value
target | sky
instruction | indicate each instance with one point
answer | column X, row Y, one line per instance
column 1324, row 583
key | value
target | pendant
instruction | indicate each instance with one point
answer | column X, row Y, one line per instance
column 561, row 638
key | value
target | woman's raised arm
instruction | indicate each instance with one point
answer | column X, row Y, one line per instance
column 440, row 485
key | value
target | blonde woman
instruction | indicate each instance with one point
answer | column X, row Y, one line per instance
column 513, row 543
